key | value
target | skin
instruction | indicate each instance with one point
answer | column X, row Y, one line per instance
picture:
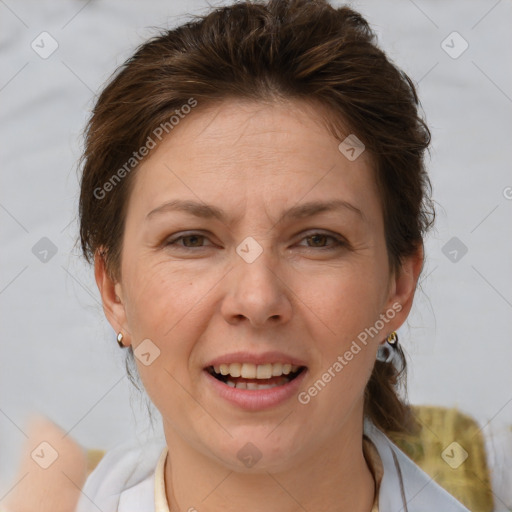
column 50, row 472
column 198, row 299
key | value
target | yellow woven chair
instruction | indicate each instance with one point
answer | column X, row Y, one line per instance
column 93, row 458
column 439, row 448
column 450, row 448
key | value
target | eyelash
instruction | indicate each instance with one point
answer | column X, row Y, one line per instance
column 339, row 242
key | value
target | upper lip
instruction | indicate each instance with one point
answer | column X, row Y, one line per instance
column 263, row 358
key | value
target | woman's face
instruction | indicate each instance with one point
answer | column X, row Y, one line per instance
column 229, row 259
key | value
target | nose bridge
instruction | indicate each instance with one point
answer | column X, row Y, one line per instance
column 256, row 289
column 256, row 266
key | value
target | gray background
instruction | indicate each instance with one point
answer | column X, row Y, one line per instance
column 58, row 355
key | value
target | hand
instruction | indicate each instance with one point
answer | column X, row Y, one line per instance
column 56, row 488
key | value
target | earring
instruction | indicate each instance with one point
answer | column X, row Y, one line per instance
column 386, row 351
column 120, row 340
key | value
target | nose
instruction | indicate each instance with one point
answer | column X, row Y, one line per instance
column 257, row 292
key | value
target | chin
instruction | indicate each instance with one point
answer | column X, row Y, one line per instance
column 255, row 451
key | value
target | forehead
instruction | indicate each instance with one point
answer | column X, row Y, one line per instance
column 249, row 153
column 250, row 129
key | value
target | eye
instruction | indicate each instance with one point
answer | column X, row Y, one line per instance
column 319, row 238
column 191, row 240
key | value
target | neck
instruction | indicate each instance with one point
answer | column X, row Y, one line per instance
column 335, row 477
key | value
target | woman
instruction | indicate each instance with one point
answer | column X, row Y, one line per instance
column 254, row 199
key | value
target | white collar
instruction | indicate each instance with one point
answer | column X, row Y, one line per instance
column 161, row 504
column 125, row 480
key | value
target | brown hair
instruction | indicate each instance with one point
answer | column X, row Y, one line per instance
column 281, row 50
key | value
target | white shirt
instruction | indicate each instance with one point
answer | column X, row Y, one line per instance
column 129, row 478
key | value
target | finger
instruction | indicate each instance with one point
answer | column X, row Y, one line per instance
column 51, row 472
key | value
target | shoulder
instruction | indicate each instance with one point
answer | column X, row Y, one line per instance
column 404, row 485
column 127, row 469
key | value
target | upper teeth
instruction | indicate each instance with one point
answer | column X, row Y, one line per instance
column 255, row 371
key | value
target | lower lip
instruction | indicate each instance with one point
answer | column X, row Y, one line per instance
column 257, row 399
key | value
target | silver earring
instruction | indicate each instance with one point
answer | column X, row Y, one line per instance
column 387, row 350
column 120, row 340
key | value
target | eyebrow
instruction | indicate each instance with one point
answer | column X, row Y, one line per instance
column 207, row 211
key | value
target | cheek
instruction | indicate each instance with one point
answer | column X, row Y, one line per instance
column 166, row 304
column 159, row 295
column 171, row 309
column 348, row 301
column 348, row 305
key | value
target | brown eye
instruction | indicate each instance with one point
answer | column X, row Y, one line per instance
column 189, row 241
column 318, row 239
column 321, row 241
column 194, row 239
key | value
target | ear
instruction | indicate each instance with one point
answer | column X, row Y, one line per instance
column 111, row 296
column 403, row 286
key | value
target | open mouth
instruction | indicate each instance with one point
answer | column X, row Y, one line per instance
column 253, row 377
